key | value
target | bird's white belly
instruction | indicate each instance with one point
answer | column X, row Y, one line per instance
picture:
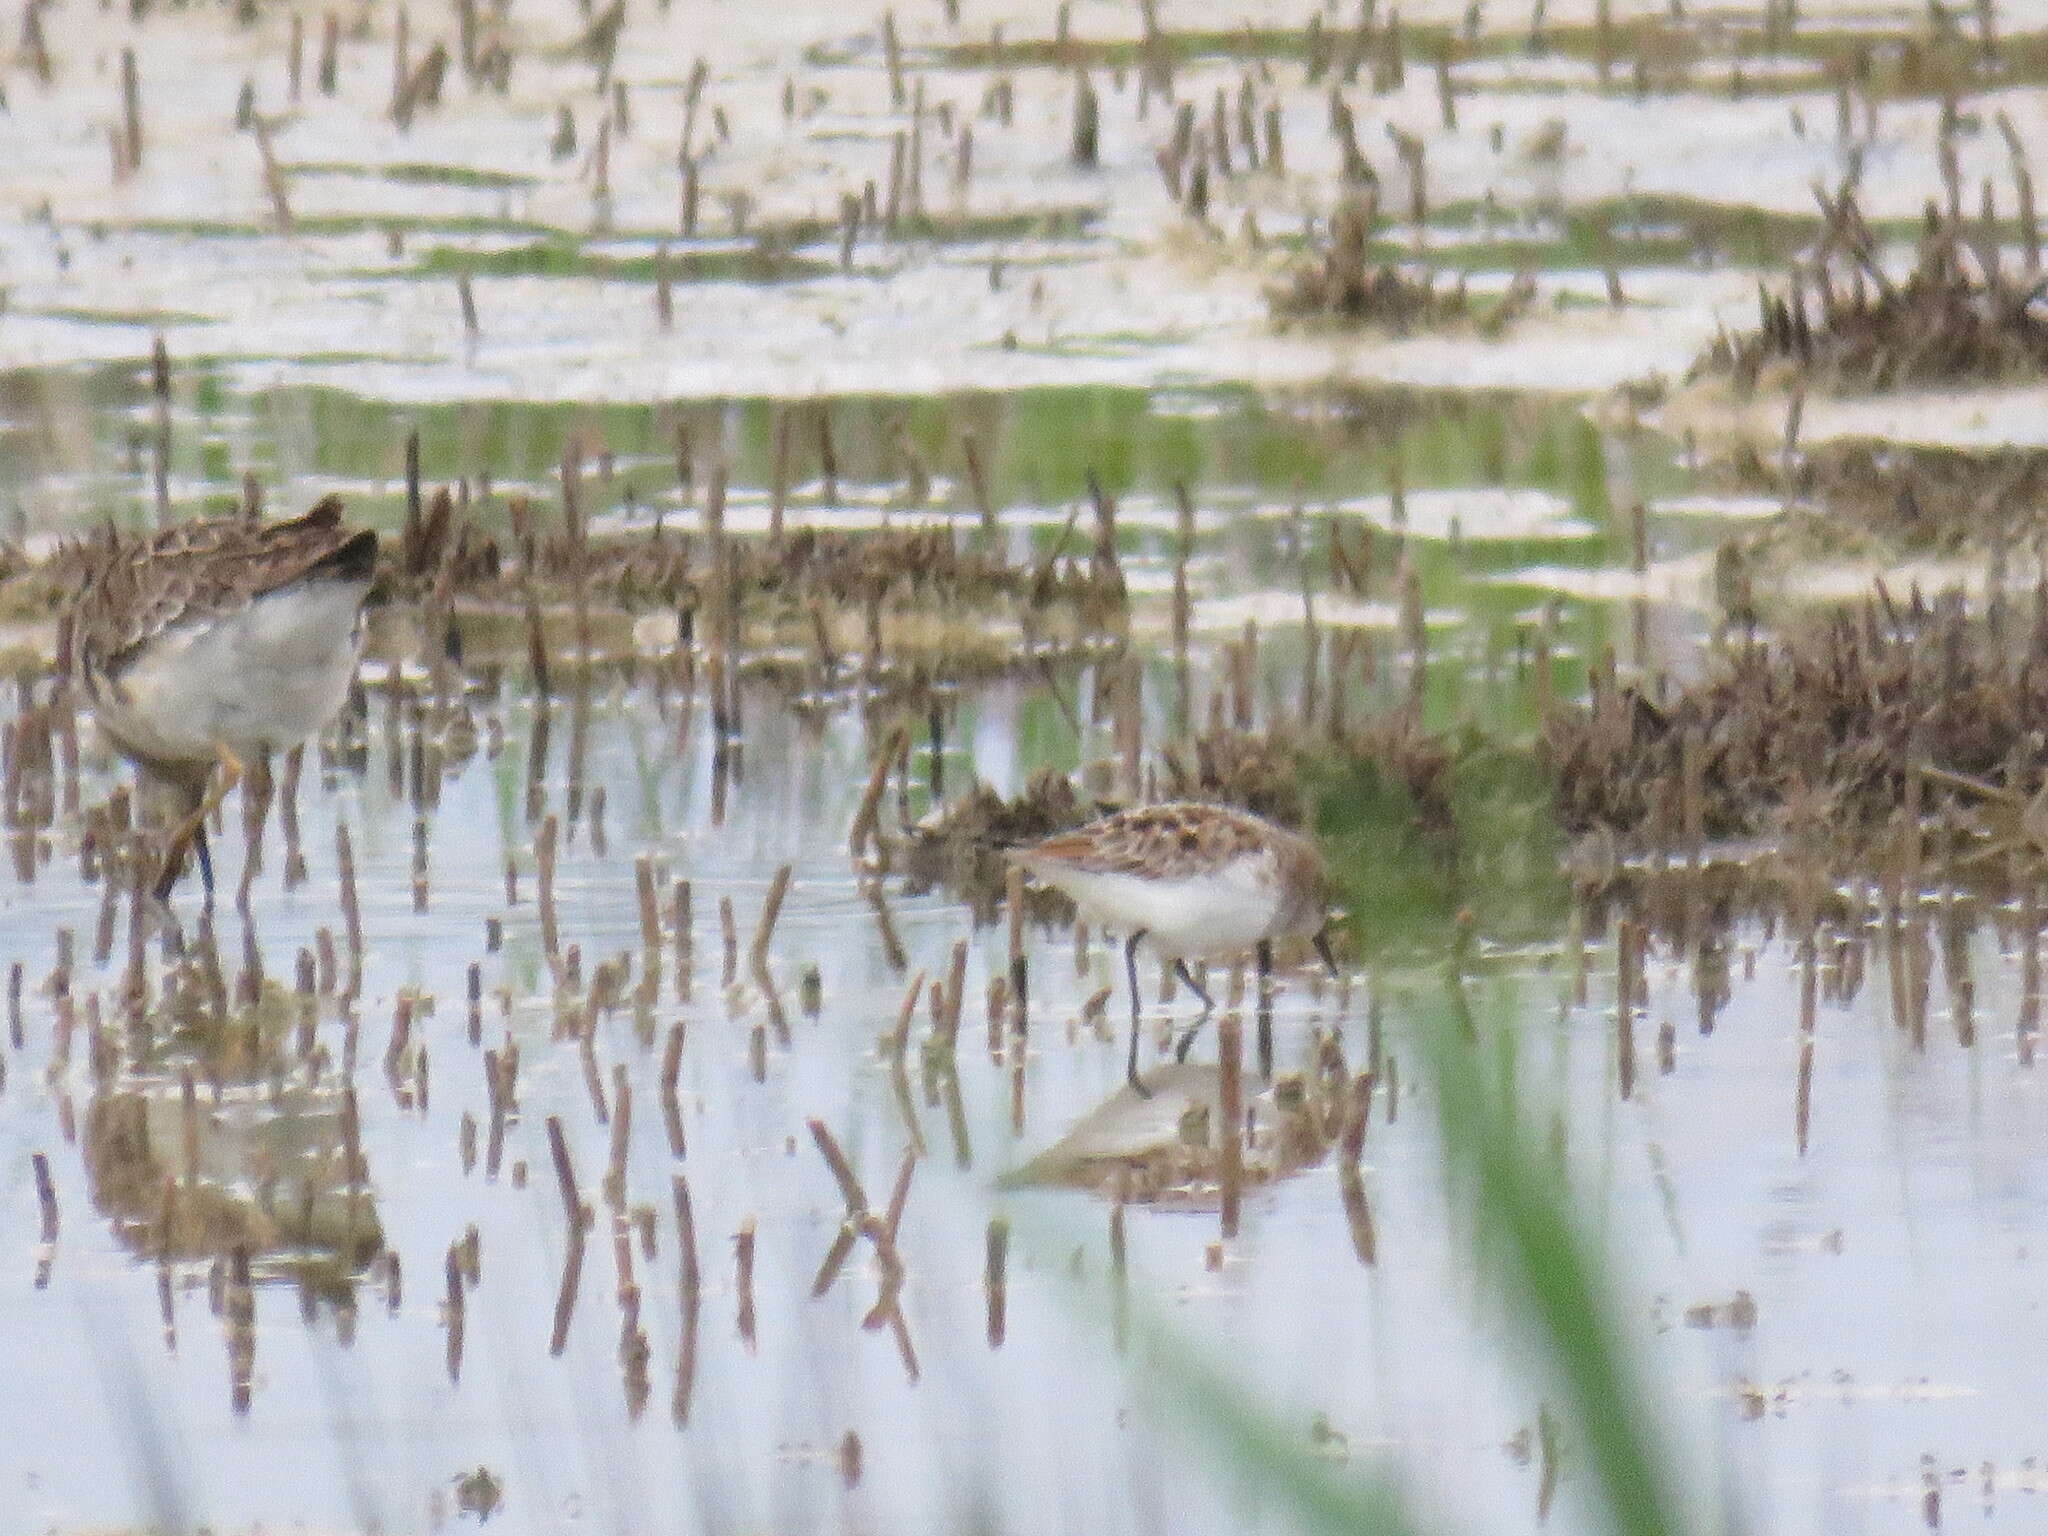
column 256, row 681
column 1216, row 914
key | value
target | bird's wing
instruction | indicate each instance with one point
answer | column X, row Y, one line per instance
column 202, row 568
column 1153, row 839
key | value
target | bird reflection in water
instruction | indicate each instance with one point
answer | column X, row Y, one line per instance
column 220, row 1141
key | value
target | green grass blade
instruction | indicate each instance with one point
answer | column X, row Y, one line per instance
column 1549, row 1270
column 1266, row 1457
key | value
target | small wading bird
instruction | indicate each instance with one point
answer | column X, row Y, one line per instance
column 214, row 643
column 1197, row 881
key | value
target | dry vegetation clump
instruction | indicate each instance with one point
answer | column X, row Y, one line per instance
column 1892, row 497
column 1843, row 322
column 449, row 550
column 1832, row 727
column 1343, row 285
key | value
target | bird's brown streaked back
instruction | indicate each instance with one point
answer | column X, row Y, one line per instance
column 1162, row 841
column 136, row 588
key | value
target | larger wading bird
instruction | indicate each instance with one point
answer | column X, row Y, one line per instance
column 214, row 642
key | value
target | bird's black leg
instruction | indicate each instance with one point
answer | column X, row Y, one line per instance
column 1265, row 1011
column 205, row 862
column 1322, row 944
column 1131, row 972
column 1180, row 969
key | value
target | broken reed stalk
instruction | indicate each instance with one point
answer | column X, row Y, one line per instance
column 691, row 1288
column 579, row 1216
column 771, row 909
column 719, row 615
column 160, row 396
column 1545, row 678
column 1119, row 1272
column 188, row 1123
column 1692, row 795
column 544, row 865
column 892, row 55
column 351, row 910
column 915, row 187
column 1230, row 1110
column 577, row 528
column 977, row 480
column 842, row 1171
column 274, row 184
column 1184, row 549
column 46, row 1196
column 671, row 1108
column 1809, row 984
column 866, row 817
column 1019, row 978
column 453, row 1310
column 1627, row 986
column 131, row 112
column 743, row 1263
column 778, row 493
column 327, row 73
column 899, row 1196
column 683, row 920
column 565, row 1298
column 997, row 1002
column 401, row 55
column 897, row 1041
column 495, row 1096
column 1128, row 727
column 622, row 1133
column 686, row 1242
column 664, row 297
column 1084, row 149
column 2030, row 972
column 956, row 989
column 892, row 209
column 728, row 933
column 828, row 456
column 995, row 1279
column 650, row 915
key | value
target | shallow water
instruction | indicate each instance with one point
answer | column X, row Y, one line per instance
column 1819, row 1220
column 1886, row 1263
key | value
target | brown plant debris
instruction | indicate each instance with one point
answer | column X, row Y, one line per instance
column 1342, row 283
column 1830, row 731
column 1885, row 497
column 1844, row 322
